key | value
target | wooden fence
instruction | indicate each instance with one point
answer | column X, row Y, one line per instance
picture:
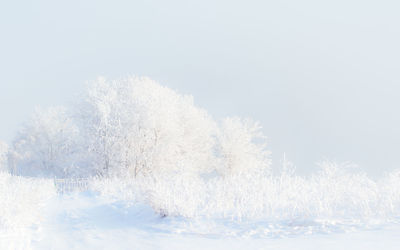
column 71, row 185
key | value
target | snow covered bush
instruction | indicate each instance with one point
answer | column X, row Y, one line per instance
column 337, row 193
column 389, row 190
column 22, row 200
column 22, row 209
column 239, row 151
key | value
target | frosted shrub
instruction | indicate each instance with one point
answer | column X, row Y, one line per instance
column 335, row 191
column 179, row 194
column 239, row 151
column 389, row 190
column 22, row 201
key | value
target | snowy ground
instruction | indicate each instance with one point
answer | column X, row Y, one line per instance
column 85, row 221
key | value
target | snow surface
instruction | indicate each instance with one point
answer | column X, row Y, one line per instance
column 85, row 220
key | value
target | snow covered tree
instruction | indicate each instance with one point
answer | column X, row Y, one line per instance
column 135, row 126
column 3, row 156
column 46, row 145
column 242, row 147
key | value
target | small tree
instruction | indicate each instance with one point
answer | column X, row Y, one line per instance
column 46, row 145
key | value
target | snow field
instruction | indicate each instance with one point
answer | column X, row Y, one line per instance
column 207, row 211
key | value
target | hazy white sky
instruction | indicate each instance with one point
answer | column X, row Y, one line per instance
column 321, row 76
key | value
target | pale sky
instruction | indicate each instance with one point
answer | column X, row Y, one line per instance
column 322, row 77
